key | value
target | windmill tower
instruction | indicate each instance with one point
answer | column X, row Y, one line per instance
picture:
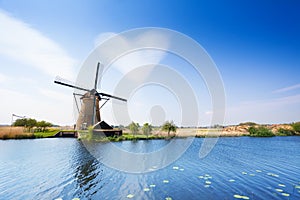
column 89, row 113
column 86, row 115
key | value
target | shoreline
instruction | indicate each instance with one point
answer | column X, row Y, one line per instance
column 7, row 133
column 143, row 137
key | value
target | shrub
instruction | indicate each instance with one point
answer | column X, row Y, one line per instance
column 296, row 127
column 285, row 132
column 248, row 124
column 260, row 131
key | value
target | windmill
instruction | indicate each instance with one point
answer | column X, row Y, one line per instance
column 89, row 114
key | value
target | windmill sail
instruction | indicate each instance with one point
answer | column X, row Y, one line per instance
column 96, row 99
column 61, row 81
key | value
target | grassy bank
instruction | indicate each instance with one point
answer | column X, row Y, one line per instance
column 126, row 136
column 230, row 131
column 46, row 134
column 21, row 133
column 252, row 130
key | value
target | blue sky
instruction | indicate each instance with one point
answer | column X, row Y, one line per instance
column 255, row 45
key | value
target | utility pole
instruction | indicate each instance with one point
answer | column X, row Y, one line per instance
column 12, row 118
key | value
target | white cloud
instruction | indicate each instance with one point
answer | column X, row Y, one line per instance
column 288, row 100
column 3, row 78
column 293, row 87
column 43, row 58
column 22, row 43
column 276, row 110
column 133, row 60
column 58, row 111
column 55, row 95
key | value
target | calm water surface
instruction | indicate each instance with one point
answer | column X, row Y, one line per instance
column 254, row 168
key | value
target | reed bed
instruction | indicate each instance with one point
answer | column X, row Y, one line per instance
column 8, row 132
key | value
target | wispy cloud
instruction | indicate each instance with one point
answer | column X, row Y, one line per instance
column 271, row 103
column 55, row 95
column 276, row 110
column 133, row 60
column 3, row 78
column 22, row 43
column 41, row 56
column 293, row 87
column 36, row 107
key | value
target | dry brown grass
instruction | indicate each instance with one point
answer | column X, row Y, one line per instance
column 14, row 133
column 201, row 132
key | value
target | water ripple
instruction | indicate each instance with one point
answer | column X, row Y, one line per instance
column 257, row 168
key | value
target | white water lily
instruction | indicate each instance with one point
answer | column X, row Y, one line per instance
column 240, row 197
column 207, row 182
column 285, row 194
column 129, row 196
column 281, row 185
column 237, row 196
column 245, row 197
column 271, row 174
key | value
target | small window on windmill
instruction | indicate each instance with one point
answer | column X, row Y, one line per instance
column 84, row 126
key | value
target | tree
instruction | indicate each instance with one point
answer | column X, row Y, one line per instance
column 20, row 122
column 121, row 127
column 43, row 125
column 147, row 128
column 134, row 128
column 26, row 122
column 169, row 127
column 31, row 123
column 217, row 126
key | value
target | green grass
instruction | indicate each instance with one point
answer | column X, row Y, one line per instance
column 90, row 137
column 46, row 134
